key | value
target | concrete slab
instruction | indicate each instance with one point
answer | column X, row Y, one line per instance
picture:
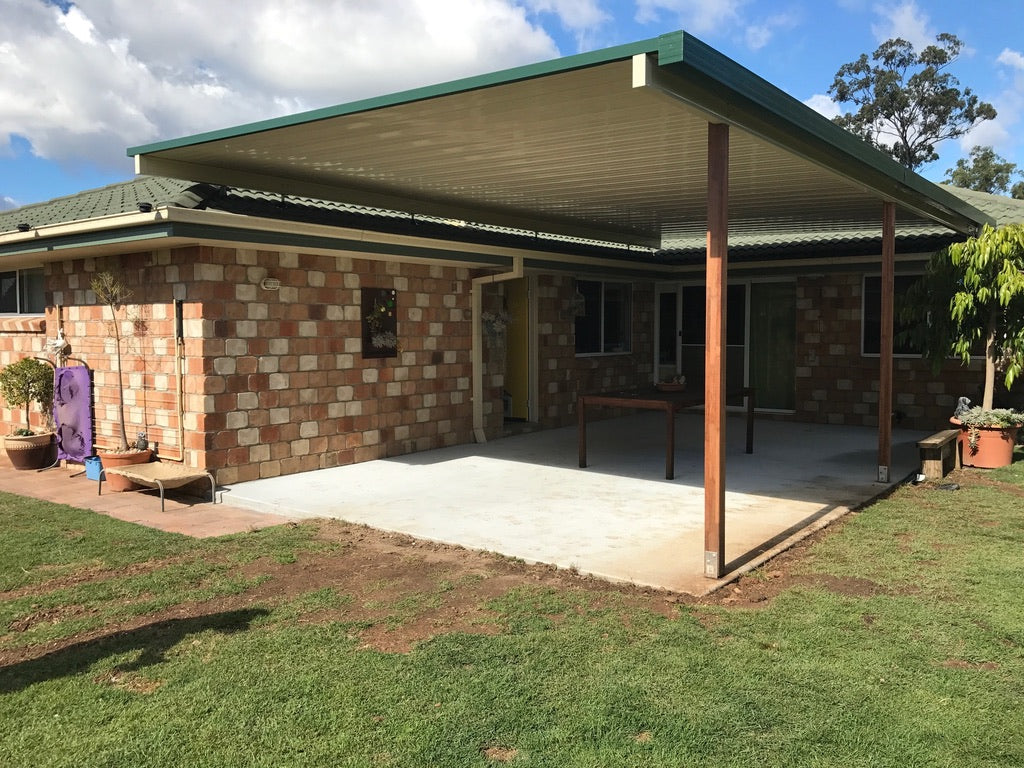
column 619, row 519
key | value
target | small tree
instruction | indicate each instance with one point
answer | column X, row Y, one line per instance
column 905, row 103
column 972, row 295
column 25, row 382
column 986, row 172
column 112, row 292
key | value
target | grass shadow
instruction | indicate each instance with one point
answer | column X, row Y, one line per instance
column 153, row 640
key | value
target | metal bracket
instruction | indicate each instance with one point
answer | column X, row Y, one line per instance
column 883, row 473
column 711, row 565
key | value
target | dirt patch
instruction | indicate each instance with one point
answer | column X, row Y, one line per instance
column 395, row 591
column 500, row 754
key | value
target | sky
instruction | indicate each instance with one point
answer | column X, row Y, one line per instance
column 82, row 81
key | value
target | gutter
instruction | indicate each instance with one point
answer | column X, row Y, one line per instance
column 478, row 351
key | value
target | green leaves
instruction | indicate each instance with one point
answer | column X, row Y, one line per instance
column 972, row 292
column 906, row 103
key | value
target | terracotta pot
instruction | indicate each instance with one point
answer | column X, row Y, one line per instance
column 30, row 451
column 113, row 459
column 994, row 447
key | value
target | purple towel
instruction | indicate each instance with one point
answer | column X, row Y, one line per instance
column 72, row 412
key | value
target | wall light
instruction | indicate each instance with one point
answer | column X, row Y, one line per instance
column 270, row 284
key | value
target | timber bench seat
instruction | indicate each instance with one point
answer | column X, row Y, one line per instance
column 939, row 454
column 161, row 475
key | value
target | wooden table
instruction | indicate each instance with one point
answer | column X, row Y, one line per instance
column 655, row 400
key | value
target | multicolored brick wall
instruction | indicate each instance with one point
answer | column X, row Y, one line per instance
column 273, row 381
column 563, row 375
column 21, row 337
column 836, row 384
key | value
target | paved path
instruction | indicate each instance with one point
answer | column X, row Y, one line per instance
column 187, row 514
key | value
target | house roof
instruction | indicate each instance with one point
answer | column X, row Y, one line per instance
column 610, row 145
column 111, row 203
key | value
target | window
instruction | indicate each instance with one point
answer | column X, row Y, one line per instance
column 21, row 292
column 605, row 324
column 871, row 327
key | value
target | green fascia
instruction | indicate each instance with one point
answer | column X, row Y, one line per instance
column 526, row 72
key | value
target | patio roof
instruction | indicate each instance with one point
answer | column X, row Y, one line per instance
column 609, row 145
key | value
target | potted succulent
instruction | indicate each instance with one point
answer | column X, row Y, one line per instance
column 22, row 383
column 112, row 292
column 972, row 297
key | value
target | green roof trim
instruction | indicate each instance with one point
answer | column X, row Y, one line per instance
column 525, row 72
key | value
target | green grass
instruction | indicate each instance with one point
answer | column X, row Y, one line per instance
column 903, row 646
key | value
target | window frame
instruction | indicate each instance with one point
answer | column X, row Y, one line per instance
column 602, row 303
column 19, row 292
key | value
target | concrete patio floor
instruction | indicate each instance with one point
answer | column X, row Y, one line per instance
column 620, row 519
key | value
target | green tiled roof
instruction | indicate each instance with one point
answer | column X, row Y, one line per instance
column 1005, row 210
column 93, row 203
column 125, row 197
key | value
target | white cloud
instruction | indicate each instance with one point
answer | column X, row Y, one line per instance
column 757, row 36
column 904, row 20
column 112, row 73
column 7, row 203
column 824, row 105
column 581, row 17
column 1012, row 59
column 701, row 17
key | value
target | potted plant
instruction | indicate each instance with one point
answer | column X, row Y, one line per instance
column 22, row 383
column 987, row 437
column 112, row 292
column 972, row 298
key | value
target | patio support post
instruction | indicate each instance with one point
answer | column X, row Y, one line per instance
column 714, row 350
column 885, row 346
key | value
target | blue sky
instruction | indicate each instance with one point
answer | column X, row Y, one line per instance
column 80, row 82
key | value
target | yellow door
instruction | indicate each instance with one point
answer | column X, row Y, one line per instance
column 517, row 362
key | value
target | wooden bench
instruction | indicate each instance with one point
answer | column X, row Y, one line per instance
column 161, row 475
column 940, row 453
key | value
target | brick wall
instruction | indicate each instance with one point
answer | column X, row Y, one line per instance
column 836, row 384
column 273, row 381
column 563, row 375
column 21, row 337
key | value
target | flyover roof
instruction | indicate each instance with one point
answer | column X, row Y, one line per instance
column 609, row 145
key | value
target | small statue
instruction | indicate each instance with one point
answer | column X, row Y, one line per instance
column 963, row 404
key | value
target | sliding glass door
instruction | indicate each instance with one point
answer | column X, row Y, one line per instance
column 760, row 339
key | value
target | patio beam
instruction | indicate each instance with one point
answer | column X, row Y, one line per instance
column 886, row 342
column 714, row 350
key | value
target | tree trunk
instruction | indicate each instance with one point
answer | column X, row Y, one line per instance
column 990, row 362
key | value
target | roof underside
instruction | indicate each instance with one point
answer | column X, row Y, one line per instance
column 605, row 146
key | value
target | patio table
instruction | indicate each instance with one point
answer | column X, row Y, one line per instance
column 656, row 400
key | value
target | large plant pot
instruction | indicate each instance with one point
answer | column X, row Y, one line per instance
column 993, row 449
column 113, row 459
column 30, row 451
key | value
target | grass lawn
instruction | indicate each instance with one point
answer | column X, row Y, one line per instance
column 894, row 639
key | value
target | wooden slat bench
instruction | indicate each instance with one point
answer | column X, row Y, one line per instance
column 161, row 475
column 940, row 453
